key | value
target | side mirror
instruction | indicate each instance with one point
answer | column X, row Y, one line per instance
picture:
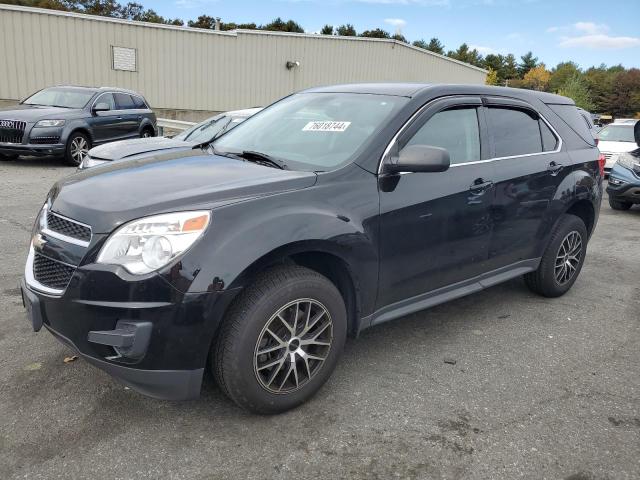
column 420, row 158
column 101, row 107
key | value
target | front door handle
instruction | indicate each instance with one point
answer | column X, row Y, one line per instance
column 118, row 118
column 554, row 168
column 480, row 186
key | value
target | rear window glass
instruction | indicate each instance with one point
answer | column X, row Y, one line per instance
column 515, row 132
column 138, row 102
column 570, row 115
column 124, row 101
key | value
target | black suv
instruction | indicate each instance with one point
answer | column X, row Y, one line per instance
column 332, row 210
column 70, row 120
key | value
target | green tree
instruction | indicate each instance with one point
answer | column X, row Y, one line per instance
column 238, row 26
column 399, row 37
column 561, row 74
column 528, row 61
column 510, row 68
column 346, row 30
column 279, row 25
column 434, row 45
column 624, row 99
column 377, row 33
column 576, row 88
column 203, row 21
column 327, row 30
column 492, row 77
column 495, row 63
column 465, row 55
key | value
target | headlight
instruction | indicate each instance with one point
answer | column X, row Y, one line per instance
column 150, row 243
column 50, row 123
column 629, row 161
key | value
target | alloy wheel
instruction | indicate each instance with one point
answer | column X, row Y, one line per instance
column 293, row 346
column 568, row 257
column 79, row 148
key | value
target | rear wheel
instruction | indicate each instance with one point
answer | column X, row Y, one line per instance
column 78, row 146
column 146, row 133
column 281, row 340
column 619, row 204
column 562, row 260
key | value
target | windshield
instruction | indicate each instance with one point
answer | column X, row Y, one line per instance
column 205, row 131
column 313, row 131
column 60, row 97
column 617, row 133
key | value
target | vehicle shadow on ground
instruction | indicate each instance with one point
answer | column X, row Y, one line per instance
column 37, row 162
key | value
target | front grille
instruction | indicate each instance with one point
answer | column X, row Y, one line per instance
column 68, row 227
column 607, row 155
column 44, row 140
column 51, row 273
column 12, row 131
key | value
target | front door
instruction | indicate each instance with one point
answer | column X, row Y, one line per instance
column 105, row 124
column 128, row 118
column 435, row 228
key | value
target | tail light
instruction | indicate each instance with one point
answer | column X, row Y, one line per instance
column 601, row 161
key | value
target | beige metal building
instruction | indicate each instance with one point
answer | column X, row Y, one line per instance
column 181, row 68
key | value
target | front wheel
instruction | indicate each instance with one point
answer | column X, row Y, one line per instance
column 619, row 204
column 562, row 260
column 78, row 146
column 281, row 340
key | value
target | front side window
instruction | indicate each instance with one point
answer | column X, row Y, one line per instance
column 60, row 97
column 108, row 99
column 455, row 130
column 515, row 131
column 313, row 131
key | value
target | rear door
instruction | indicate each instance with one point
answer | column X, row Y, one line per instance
column 529, row 168
column 435, row 228
column 105, row 125
column 129, row 117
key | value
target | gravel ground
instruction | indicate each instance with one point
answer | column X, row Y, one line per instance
column 539, row 388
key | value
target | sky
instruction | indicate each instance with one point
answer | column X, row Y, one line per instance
column 586, row 32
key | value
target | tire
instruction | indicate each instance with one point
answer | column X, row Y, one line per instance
column 78, row 144
column 549, row 280
column 619, row 204
column 147, row 133
column 244, row 374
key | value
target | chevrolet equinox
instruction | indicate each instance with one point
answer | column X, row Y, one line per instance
column 332, row 210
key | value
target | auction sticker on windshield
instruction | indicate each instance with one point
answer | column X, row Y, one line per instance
column 326, row 126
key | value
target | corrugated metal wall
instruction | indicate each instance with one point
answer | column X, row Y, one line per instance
column 182, row 68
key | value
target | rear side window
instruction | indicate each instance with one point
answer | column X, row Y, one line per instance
column 455, row 130
column 549, row 140
column 570, row 115
column 124, row 101
column 138, row 102
column 515, row 131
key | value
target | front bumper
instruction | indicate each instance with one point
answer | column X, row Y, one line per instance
column 31, row 149
column 626, row 187
column 172, row 362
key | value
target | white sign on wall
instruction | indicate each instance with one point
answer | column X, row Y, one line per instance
column 123, row 58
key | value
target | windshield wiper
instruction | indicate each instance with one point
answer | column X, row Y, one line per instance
column 262, row 159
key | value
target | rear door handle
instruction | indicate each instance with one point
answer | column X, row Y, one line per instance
column 554, row 168
column 480, row 186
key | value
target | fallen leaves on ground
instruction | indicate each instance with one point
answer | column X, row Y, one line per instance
column 70, row 359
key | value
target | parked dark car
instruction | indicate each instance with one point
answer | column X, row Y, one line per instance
column 330, row 211
column 624, row 179
column 68, row 121
column 200, row 134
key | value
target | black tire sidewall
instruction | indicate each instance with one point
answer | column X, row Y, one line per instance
column 619, row 204
column 67, row 152
column 567, row 224
column 241, row 382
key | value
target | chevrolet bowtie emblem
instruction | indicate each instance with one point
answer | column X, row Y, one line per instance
column 38, row 241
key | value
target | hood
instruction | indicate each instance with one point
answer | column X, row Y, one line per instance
column 113, row 194
column 33, row 113
column 128, row 148
column 616, row 147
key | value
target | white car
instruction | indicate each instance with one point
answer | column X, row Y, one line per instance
column 614, row 139
column 203, row 132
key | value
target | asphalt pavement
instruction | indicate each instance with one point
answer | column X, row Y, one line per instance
column 502, row 384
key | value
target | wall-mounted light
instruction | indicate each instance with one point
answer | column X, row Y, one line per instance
column 292, row 64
